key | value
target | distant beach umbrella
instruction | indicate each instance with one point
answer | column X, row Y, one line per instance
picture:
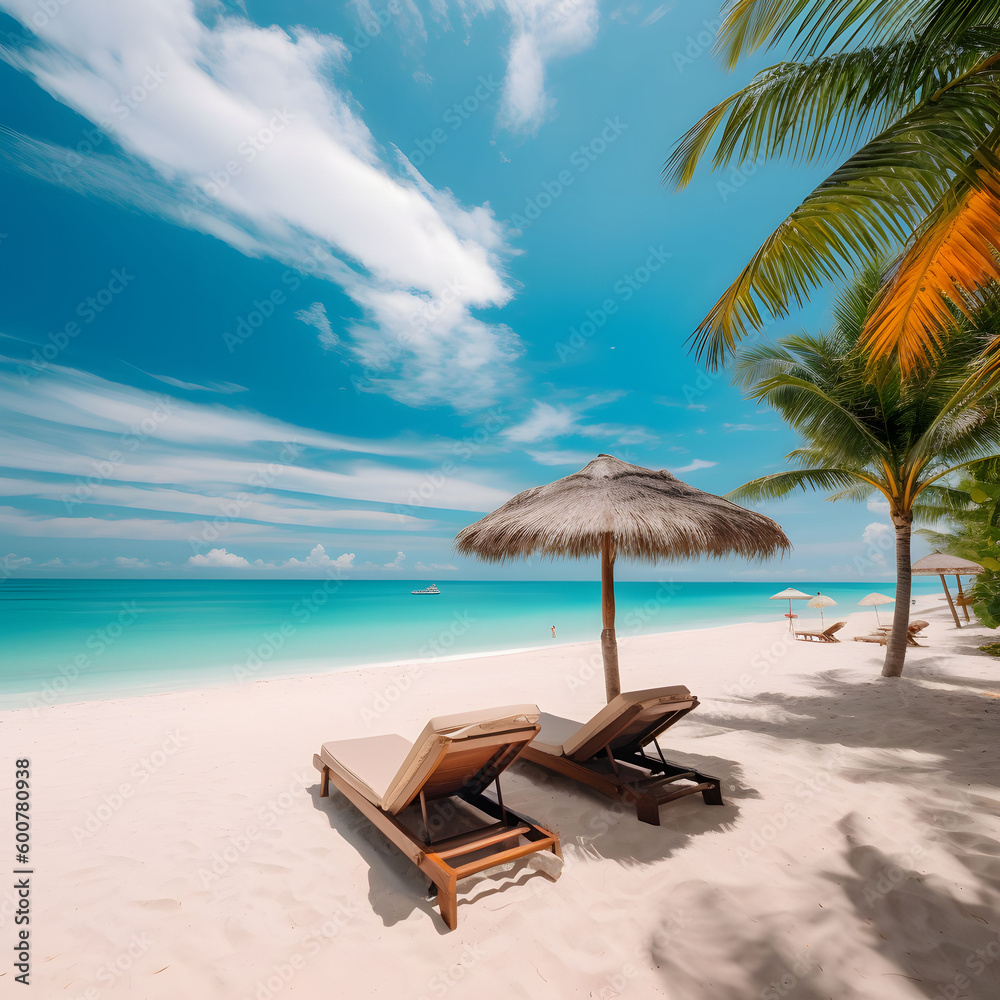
column 789, row 594
column 939, row 564
column 821, row 601
column 873, row 601
column 611, row 508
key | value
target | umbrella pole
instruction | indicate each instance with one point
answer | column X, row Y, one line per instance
column 609, row 644
column 951, row 603
column 961, row 594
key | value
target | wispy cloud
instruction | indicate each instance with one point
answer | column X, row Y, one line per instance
column 540, row 32
column 224, row 388
column 549, row 421
column 87, row 458
column 317, row 563
column 316, row 316
column 576, row 458
column 242, row 133
column 698, row 463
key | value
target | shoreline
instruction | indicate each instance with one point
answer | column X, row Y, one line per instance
column 305, row 672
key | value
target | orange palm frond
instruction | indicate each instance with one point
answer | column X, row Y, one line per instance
column 953, row 257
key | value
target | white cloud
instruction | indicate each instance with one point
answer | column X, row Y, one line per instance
column 694, row 466
column 223, row 388
column 879, row 537
column 30, row 524
column 655, row 15
column 131, row 562
column 877, row 506
column 398, row 562
column 67, row 423
column 747, row 427
column 241, row 133
column 71, row 564
column 548, row 421
column 218, row 559
column 434, row 567
column 317, row 559
column 542, row 30
column 877, row 533
column 12, row 561
column 578, row 458
column 316, row 316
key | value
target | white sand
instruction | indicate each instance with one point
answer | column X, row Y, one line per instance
column 181, row 851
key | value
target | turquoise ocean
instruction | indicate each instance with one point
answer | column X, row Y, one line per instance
column 74, row 640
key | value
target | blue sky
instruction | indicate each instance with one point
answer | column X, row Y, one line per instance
column 303, row 288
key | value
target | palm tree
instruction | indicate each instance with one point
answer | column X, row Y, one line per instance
column 913, row 87
column 869, row 431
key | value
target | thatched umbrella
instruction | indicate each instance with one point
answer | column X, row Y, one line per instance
column 940, row 563
column 610, row 508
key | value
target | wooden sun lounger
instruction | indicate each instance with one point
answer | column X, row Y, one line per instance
column 452, row 762
column 608, row 752
column 883, row 637
column 825, row 636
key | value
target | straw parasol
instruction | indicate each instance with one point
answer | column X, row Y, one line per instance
column 939, row 564
column 789, row 594
column 611, row 508
column 821, row 601
column 873, row 601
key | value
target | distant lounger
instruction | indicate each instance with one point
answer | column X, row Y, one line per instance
column 883, row 637
column 608, row 752
column 825, row 636
column 455, row 758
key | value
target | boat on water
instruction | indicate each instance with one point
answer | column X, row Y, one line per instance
column 432, row 589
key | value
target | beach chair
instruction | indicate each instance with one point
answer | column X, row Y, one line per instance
column 446, row 771
column 825, row 636
column 883, row 637
column 608, row 752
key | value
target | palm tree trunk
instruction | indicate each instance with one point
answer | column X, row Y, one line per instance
column 895, row 651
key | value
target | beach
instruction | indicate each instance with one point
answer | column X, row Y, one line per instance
column 180, row 846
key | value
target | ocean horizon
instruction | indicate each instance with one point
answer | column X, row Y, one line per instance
column 76, row 640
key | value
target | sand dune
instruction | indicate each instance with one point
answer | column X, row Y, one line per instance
column 181, row 848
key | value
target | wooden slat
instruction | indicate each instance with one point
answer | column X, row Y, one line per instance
column 476, row 845
column 502, row 857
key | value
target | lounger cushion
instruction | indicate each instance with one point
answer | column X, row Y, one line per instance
column 554, row 733
column 369, row 763
column 389, row 770
column 413, row 771
column 565, row 737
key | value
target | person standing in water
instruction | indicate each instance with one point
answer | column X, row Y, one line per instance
column 553, row 631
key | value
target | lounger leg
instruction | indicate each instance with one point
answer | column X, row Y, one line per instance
column 447, row 898
column 647, row 810
column 324, row 786
column 713, row 795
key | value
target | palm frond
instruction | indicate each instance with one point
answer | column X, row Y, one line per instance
column 868, row 208
column 811, row 110
column 953, row 255
column 779, row 484
column 812, row 26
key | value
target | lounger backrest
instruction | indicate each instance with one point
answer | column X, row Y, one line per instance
column 632, row 719
column 461, row 752
column 834, row 628
column 916, row 626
